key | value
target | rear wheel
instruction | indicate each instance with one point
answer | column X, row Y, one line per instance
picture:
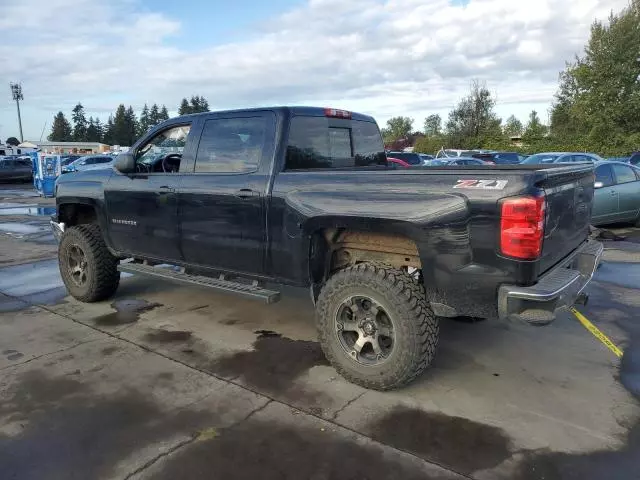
column 88, row 269
column 376, row 326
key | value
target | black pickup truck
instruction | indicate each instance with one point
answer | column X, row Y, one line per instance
column 303, row 196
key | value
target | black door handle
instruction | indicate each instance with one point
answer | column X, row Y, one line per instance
column 166, row 189
column 247, row 193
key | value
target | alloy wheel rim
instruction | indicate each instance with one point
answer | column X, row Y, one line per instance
column 364, row 330
column 77, row 265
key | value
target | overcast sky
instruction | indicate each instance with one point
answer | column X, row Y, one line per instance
column 385, row 58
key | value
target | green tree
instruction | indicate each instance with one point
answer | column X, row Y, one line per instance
column 184, row 107
column 79, row 123
column 144, row 123
column 598, row 100
column 93, row 134
column 99, row 128
column 108, row 132
column 513, row 127
column 120, row 132
column 61, row 130
column 473, row 121
column 397, row 128
column 154, row 115
column 164, row 113
column 535, row 130
column 132, row 127
column 13, row 141
column 433, row 125
column 430, row 144
column 198, row 104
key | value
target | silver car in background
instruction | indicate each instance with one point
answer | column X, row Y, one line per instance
column 89, row 162
column 562, row 157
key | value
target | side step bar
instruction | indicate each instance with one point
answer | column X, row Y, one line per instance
column 248, row 290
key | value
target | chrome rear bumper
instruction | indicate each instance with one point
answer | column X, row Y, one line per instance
column 556, row 289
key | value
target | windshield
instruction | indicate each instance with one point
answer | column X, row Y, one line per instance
column 541, row 158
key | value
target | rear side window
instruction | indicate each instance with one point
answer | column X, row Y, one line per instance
column 231, row 145
column 604, row 175
column 624, row 174
column 315, row 142
column 635, row 159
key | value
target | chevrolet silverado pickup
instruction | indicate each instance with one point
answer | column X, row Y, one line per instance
column 303, row 196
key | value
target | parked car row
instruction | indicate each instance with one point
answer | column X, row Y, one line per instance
column 617, row 183
column 562, row 157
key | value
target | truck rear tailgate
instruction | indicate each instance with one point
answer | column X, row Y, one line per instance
column 569, row 196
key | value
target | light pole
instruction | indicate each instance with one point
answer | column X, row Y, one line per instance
column 16, row 92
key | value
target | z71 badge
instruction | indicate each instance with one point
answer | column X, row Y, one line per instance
column 482, row 184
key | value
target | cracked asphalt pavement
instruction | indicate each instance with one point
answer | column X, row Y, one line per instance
column 168, row 382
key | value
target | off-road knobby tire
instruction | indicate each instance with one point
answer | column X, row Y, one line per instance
column 416, row 328
column 102, row 267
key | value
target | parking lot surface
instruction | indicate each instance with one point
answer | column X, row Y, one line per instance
column 183, row 382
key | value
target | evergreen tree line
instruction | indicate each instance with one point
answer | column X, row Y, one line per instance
column 123, row 127
column 596, row 108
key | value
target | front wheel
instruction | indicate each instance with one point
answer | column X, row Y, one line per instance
column 88, row 269
column 376, row 326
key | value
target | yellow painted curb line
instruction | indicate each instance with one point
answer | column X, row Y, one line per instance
column 597, row 333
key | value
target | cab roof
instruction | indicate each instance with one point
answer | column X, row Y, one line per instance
column 286, row 110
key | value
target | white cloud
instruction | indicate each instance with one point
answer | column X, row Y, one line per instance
column 386, row 58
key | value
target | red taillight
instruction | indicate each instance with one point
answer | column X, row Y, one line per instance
column 334, row 113
column 522, row 227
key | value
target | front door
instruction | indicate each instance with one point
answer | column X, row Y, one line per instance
column 605, row 199
column 628, row 188
column 142, row 207
column 223, row 202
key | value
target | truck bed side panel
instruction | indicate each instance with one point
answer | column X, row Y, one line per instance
column 453, row 228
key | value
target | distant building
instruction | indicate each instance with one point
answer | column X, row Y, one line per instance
column 22, row 149
column 73, row 147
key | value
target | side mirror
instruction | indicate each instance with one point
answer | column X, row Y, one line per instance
column 598, row 185
column 125, row 163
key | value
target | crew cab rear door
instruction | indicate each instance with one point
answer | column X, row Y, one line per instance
column 222, row 200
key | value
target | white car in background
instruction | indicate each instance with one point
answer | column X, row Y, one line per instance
column 90, row 162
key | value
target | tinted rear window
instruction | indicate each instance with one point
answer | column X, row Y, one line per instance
column 318, row 142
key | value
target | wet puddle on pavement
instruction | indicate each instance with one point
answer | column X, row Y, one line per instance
column 37, row 283
column 10, row 193
column 618, row 273
column 23, row 228
column 127, row 311
column 466, row 445
column 274, row 362
column 167, row 336
column 9, row 209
